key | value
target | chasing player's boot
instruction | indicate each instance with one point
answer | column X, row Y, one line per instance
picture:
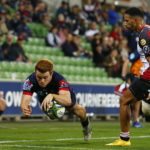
column 137, row 125
column 120, row 142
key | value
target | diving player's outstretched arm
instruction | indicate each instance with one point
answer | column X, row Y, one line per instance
column 25, row 105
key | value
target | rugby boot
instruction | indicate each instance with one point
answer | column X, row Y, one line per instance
column 137, row 125
column 87, row 132
column 120, row 142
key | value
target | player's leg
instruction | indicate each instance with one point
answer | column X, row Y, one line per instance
column 136, row 110
column 125, row 111
column 125, row 116
column 137, row 91
column 81, row 113
column 78, row 111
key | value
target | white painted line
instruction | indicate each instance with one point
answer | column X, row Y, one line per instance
column 44, row 147
column 69, row 139
column 49, row 147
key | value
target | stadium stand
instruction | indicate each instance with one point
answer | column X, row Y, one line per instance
column 38, row 30
column 75, row 69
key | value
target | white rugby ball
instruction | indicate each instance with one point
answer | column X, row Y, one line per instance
column 56, row 111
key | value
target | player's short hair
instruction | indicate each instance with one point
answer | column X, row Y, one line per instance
column 44, row 65
column 133, row 11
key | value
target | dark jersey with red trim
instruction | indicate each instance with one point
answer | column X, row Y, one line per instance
column 57, row 83
column 146, row 75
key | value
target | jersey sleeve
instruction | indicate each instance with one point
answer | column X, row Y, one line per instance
column 27, row 87
column 63, row 85
column 134, row 56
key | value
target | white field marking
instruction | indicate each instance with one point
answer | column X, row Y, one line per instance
column 69, row 139
column 49, row 147
column 44, row 147
column 7, row 127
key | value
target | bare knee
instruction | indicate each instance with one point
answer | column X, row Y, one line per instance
column 126, row 101
column 122, row 100
column 79, row 111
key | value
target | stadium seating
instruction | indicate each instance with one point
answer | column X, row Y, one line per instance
column 34, row 49
column 74, row 69
column 72, row 73
column 35, row 41
column 38, row 30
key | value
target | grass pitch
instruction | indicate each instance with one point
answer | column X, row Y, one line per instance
column 67, row 136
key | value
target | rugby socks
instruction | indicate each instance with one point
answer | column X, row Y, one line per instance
column 86, row 122
column 125, row 136
column 1, row 112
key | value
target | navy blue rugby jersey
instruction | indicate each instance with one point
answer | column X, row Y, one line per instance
column 57, row 84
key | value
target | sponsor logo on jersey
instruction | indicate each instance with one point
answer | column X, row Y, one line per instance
column 132, row 56
column 27, row 85
column 62, row 83
column 146, row 49
column 143, row 42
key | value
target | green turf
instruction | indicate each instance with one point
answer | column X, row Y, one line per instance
column 67, row 135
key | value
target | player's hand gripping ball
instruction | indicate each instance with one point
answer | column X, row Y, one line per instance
column 55, row 111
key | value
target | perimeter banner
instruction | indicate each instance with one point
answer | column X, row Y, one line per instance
column 97, row 99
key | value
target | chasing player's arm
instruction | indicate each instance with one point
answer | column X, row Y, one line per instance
column 125, row 68
column 25, row 105
column 63, row 98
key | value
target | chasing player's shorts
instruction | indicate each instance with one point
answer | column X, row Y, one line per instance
column 140, row 88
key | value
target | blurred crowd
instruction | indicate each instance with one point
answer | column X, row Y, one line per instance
column 96, row 23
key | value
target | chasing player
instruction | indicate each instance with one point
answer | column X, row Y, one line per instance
column 133, row 20
column 135, row 72
column 50, row 85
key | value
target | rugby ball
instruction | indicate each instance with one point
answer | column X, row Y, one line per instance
column 56, row 111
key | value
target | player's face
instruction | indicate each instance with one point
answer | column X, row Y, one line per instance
column 129, row 22
column 43, row 79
